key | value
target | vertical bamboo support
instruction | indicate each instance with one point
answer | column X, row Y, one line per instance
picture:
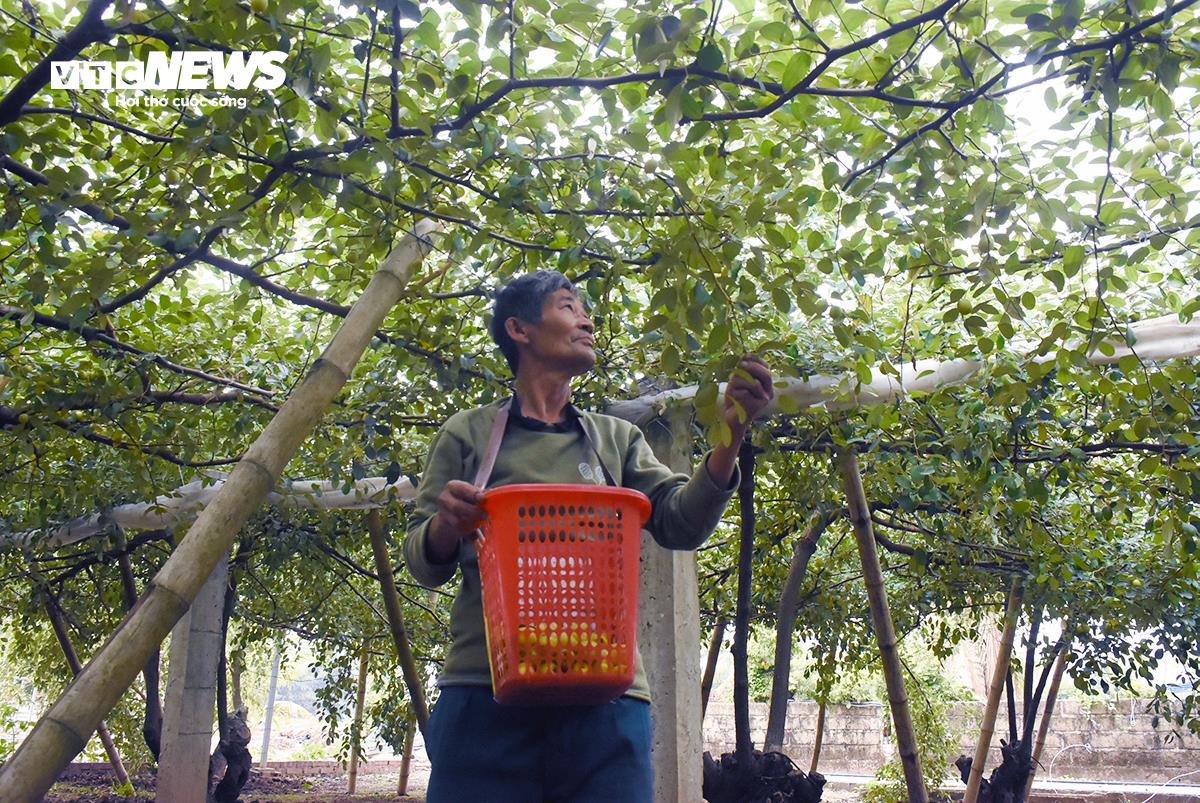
column 356, row 729
column 64, row 642
column 789, row 600
column 995, row 689
column 63, row 730
column 1060, row 666
column 885, row 631
column 391, row 603
column 406, row 758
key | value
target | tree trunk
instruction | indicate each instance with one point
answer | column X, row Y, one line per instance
column 1028, row 704
column 356, row 727
column 803, row 550
column 1060, row 665
column 710, row 663
column 64, row 641
column 229, row 766
column 819, row 738
column 995, row 689
column 881, row 618
column 235, row 680
column 152, row 721
column 406, row 758
column 391, row 603
column 63, row 730
column 741, row 620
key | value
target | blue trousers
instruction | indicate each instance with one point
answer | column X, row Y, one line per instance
column 484, row 752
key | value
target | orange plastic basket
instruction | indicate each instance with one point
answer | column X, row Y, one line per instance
column 559, row 569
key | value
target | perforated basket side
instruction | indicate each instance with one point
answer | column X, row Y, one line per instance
column 561, row 622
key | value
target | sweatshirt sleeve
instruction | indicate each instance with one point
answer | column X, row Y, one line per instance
column 442, row 464
column 686, row 510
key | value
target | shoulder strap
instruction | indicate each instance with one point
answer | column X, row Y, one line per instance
column 493, row 447
column 608, row 477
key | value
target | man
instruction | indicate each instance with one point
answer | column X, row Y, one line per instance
column 481, row 750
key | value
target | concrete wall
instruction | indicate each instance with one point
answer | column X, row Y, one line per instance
column 1102, row 741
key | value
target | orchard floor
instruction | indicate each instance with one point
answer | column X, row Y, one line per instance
column 94, row 785
column 91, row 784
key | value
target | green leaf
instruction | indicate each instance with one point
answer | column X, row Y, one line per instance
column 1072, row 259
column 797, row 68
column 775, row 237
column 710, row 57
column 777, row 32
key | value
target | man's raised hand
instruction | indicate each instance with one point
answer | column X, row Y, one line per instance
column 749, row 391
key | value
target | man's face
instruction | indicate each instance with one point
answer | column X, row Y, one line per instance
column 563, row 339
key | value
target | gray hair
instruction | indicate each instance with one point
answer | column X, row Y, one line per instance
column 523, row 297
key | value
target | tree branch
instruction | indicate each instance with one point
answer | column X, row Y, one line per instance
column 90, row 29
column 25, row 317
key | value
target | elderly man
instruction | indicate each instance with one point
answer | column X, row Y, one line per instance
column 481, row 750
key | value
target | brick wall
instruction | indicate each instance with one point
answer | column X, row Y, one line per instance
column 1103, row 741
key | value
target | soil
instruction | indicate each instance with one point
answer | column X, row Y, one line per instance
column 95, row 785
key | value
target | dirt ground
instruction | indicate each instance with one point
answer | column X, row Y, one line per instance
column 94, row 785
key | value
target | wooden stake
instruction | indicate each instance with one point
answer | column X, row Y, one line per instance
column 819, row 739
column 995, row 689
column 1060, row 666
column 356, row 728
column 152, row 719
column 885, row 631
column 710, row 663
column 63, row 730
column 789, row 600
column 406, row 758
column 59, row 626
column 391, row 603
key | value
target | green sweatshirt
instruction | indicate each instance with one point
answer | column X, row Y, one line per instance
column 685, row 510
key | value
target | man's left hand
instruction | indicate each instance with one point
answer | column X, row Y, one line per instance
column 749, row 391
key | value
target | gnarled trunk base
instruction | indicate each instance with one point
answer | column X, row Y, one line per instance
column 1008, row 781
column 770, row 778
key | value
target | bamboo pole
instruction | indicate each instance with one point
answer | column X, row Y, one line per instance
column 356, row 729
column 1060, row 666
column 64, row 641
column 789, row 601
column 391, row 603
column 710, row 663
column 406, row 757
column 999, row 674
column 63, row 730
column 881, row 618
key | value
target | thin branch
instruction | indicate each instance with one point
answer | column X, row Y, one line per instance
column 26, row 317
column 95, row 118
